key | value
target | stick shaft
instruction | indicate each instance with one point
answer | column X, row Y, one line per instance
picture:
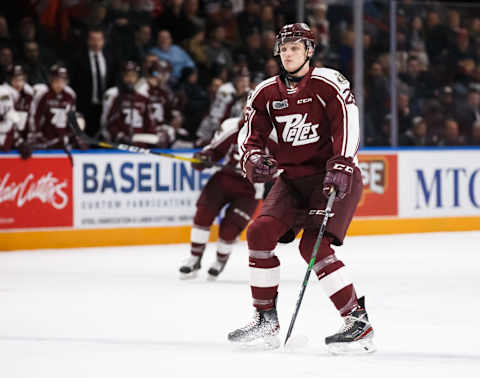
column 328, row 210
column 72, row 121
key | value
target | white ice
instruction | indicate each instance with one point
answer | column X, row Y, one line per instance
column 123, row 312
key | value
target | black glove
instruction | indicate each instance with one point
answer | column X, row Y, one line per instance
column 25, row 150
column 206, row 160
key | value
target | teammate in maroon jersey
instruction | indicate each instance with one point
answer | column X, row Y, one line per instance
column 162, row 102
column 125, row 110
column 226, row 187
column 313, row 113
column 49, row 111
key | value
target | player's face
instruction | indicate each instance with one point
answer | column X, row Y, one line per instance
column 18, row 82
column 293, row 55
column 130, row 78
column 58, row 84
column 154, row 81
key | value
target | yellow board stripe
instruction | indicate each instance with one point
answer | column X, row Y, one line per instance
column 169, row 235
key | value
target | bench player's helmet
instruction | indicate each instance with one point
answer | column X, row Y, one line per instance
column 293, row 33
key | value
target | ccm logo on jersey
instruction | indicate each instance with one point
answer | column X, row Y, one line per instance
column 297, row 131
column 304, row 100
column 343, row 167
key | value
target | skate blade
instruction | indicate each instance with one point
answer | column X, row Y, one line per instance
column 296, row 342
column 211, row 277
column 264, row 343
column 363, row 346
column 189, row 276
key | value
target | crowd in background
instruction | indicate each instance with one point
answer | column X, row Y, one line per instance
column 176, row 68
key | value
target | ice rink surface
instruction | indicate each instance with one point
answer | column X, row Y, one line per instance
column 123, row 312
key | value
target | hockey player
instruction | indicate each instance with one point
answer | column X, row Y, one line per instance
column 125, row 110
column 22, row 96
column 314, row 114
column 226, row 187
column 51, row 104
column 228, row 103
column 165, row 118
column 15, row 103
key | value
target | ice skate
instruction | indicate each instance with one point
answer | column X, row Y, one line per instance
column 262, row 331
column 355, row 336
column 216, row 268
column 190, row 267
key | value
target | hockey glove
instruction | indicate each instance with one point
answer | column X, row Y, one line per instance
column 339, row 175
column 25, row 150
column 206, row 160
column 261, row 168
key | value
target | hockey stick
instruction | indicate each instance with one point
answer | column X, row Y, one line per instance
column 328, row 211
column 72, row 122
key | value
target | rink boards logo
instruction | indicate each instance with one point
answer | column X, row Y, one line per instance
column 297, row 131
column 449, row 187
column 379, row 178
column 36, row 193
column 135, row 190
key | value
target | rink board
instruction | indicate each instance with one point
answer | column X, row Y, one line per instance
column 124, row 199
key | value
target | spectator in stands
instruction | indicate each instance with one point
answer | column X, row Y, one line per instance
column 474, row 140
column 141, row 42
column 416, row 135
column 435, row 37
column 318, row 18
column 416, row 79
column 376, row 98
column 4, row 32
column 468, row 112
column 173, row 54
column 270, row 68
column 253, row 52
column 6, row 60
column 191, row 22
column 249, row 19
column 445, row 97
column 217, row 51
column 92, row 72
column 213, row 88
column 35, row 68
column 172, row 19
column 196, row 48
column 267, row 18
column 268, row 43
column 194, row 100
column 28, row 32
column 451, row 134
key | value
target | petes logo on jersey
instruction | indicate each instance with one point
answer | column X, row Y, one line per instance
column 297, row 131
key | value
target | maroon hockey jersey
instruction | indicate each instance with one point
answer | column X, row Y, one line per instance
column 49, row 115
column 311, row 123
column 125, row 114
